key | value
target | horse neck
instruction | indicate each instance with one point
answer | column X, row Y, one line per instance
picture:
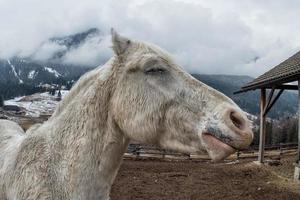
column 85, row 109
column 83, row 132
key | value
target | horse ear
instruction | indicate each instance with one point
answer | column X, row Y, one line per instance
column 120, row 43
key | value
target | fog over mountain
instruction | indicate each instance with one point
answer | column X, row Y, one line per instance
column 50, row 64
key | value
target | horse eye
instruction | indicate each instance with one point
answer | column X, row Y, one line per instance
column 155, row 71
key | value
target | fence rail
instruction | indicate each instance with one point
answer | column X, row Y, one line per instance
column 149, row 151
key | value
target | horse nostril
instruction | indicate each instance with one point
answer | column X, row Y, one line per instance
column 237, row 120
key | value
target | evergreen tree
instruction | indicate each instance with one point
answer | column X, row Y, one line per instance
column 1, row 101
column 269, row 134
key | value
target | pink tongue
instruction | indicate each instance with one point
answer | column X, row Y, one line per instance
column 216, row 149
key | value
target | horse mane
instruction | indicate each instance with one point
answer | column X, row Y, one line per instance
column 101, row 73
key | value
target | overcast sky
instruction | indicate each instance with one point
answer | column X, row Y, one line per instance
column 216, row 37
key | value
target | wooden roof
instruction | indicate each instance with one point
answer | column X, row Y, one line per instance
column 287, row 71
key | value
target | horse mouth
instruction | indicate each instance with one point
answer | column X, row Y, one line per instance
column 217, row 149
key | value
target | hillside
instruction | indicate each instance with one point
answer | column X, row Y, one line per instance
column 22, row 77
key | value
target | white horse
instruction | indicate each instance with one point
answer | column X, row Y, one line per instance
column 141, row 95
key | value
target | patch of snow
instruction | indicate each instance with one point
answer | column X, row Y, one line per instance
column 31, row 74
column 13, row 68
column 14, row 71
column 53, row 71
column 37, row 104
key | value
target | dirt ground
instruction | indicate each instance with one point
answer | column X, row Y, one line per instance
column 162, row 180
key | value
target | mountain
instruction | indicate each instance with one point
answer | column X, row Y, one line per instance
column 23, row 76
column 249, row 101
column 25, row 71
column 74, row 40
column 71, row 42
column 32, row 70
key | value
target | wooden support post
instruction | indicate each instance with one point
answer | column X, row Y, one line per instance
column 298, row 156
column 262, row 131
column 297, row 164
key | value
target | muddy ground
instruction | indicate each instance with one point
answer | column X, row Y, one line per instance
column 192, row 180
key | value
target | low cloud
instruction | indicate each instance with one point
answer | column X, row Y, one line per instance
column 245, row 37
column 47, row 50
column 92, row 52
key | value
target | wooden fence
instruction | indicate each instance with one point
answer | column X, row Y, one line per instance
column 149, row 151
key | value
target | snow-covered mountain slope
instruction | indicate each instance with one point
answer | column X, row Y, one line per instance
column 36, row 69
column 13, row 69
column 22, row 71
column 53, row 71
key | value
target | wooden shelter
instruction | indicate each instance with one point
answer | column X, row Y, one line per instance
column 276, row 81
